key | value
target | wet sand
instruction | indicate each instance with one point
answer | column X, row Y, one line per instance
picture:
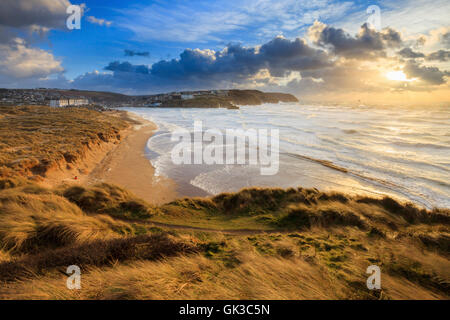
column 127, row 166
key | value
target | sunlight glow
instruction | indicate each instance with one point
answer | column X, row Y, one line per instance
column 397, row 76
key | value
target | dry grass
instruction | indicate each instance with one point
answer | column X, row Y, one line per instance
column 260, row 267
column 108, row 199
column 35, row 139
column 32, row 217
column 193, row 277
column 333, row 239
column 293, row 209
column 95, row 253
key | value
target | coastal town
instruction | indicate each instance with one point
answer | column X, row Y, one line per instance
column 39, row 97
column 66, row 98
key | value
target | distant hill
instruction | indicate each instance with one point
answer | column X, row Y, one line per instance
column 222, row 99
column 96, row 95
column 196, row 99
column 256, row 97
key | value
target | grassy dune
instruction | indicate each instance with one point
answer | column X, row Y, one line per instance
column 319, row 246
column 36, row 139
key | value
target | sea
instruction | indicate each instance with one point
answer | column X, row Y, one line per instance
column 402, row 152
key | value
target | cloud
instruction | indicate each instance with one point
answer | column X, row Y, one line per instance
column 420, row 42
column 21, row 64
column 341, row 64
column 30, row 18
column 100, row 22
column 117, row 66
column 440, row 55
column 439, row 37
column 445, row 38
column 280, row 56
column 132, row 53
column 430, row 75
column 410, row 54
column 368, row 43
column 205, row 21
column 412, row 17
column 203, row 69
column 6, row 34
column 331, row 60
column 25, row 13
column 340, row 77
column 17, row 60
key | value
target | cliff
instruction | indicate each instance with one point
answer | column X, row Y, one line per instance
column 233, row 98
column 256, row 97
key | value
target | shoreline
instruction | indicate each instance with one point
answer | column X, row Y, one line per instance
column 315, row 163
column 127, row 166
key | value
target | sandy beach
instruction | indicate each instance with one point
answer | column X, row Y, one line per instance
column 127, row 166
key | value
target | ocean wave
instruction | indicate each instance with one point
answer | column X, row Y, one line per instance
column 420, row 145
column 408, row 193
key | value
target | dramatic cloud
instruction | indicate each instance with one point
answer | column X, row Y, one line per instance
column 342, row 64
column 117, row 66
column 202, row 69
column 279, row 56
column 440, row 55
column 410, row 54
column 24, row 13
column 431, row 75
column 420, row 42
column 343, row 76
column 445, row 38
column 100, row 22
column 6, row 34
column 368, row 43
column 329, row 62
column 132, row 53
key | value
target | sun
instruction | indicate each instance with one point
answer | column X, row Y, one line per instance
column 397, row 76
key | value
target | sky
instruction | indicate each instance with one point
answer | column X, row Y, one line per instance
column 319, row 50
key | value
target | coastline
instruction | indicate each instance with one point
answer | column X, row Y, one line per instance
column 345, row 157
column 127, row 166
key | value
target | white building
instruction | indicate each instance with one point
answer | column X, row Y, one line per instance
column 61, row 103
column 187, row 96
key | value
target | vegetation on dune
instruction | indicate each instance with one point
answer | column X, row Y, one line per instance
column 35, row 139
column 319, row 246
column 307, row 265
column 33, row 217
column 95, row 253
column 108, row 199
column 293, row 209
